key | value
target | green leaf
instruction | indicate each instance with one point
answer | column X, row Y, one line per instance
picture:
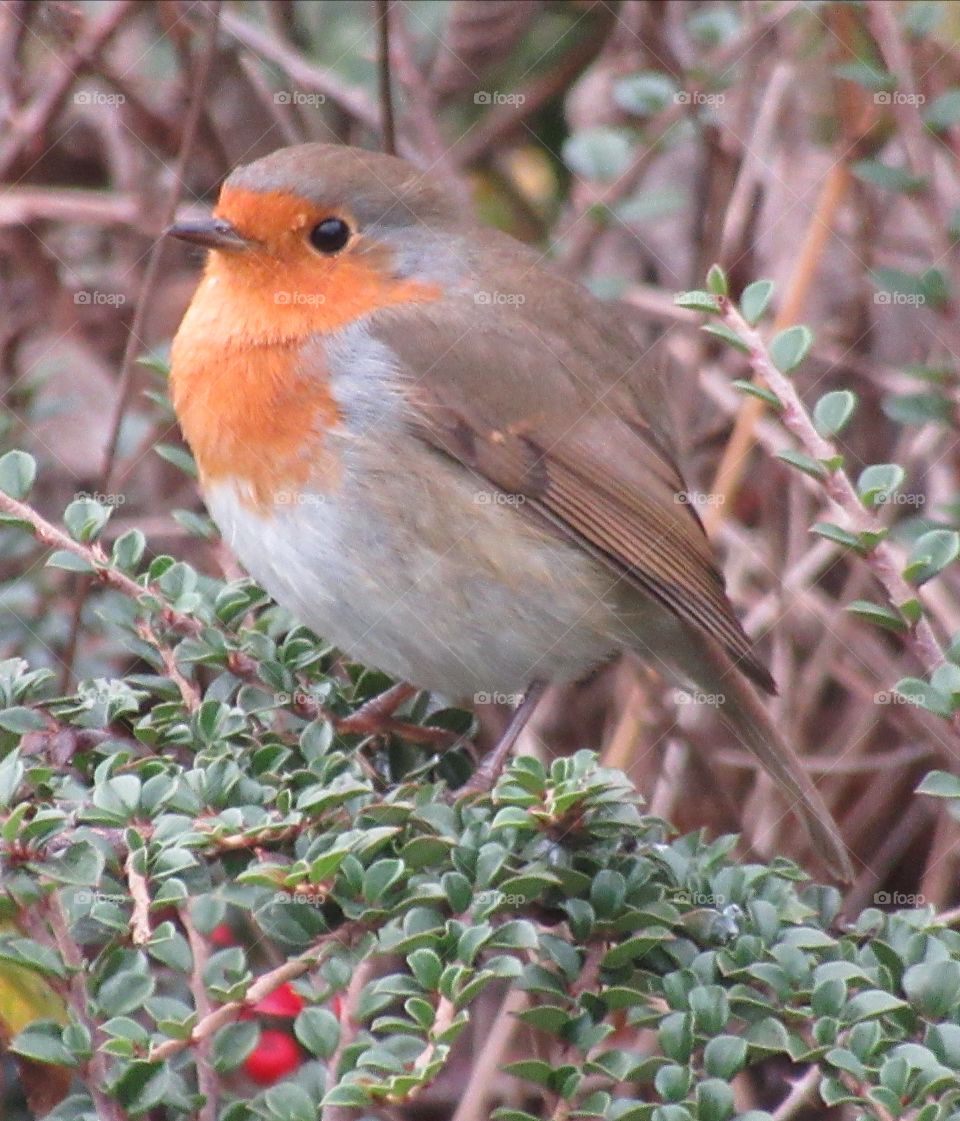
column 804, row 463
column 18, row 470
column 920, row 692
column 940, row 784
column 318, row 1030
column 879, row 482
column 601, row 154
column 179, row 457
column 697, row 300
column 878, row 614
column 755, row 299
column 833, row 411
column 837, row 534
column 870, row 1003
column 759, row 391
column 714, row 1100
column 69, row 562
column 726, row 334
column 887, row 177
column 717, row 281
column 930, row 555
column 21, row 720
column 85, row 518
column 232, row 1044
column 789, row 348
column 43, row 1041
column 943, row 112
column 725, row 1055
column 644, row 93
column 933, row 988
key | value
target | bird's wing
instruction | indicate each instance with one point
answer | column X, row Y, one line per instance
column 531, row 414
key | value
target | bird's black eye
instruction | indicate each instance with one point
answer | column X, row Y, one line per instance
column 330, row 235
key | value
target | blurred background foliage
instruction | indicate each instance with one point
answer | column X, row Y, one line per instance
column 635, row 143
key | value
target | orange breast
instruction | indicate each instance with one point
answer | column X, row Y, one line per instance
column 248, row 409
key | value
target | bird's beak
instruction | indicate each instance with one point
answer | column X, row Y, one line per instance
column 212, row 233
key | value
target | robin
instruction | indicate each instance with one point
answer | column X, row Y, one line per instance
column 444, row 458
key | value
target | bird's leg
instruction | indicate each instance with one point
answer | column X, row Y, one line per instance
column 490, row 769
column 375, row 715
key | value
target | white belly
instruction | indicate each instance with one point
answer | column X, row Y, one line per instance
column 459, row 602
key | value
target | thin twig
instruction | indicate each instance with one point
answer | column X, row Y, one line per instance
column 837, row 485
column 208, row 1025
column 97, row 1073
column 386, row 84
column 140, row 931
column 151, row 273
column 207, row 1082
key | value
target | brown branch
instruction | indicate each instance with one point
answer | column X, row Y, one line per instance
column 140, row 930
column 208, row 1025
column 207, row 1082
column 386, row 85
column 30, row 126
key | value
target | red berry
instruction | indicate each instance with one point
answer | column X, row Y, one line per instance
column 336, row 1005
column 283, row 1001
column 222, row 935
column 273, row 1058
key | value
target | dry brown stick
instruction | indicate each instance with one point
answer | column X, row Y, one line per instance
column 189, row 693
column 473, row 1101
column 30, row 126
column 733, row 463
column 350, row 98
column 385, row 78
column 20, row 206
column 151, row 272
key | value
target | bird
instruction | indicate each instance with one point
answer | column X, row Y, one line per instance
column 448, row 460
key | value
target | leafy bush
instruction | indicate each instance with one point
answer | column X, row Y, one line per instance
column 180, row 844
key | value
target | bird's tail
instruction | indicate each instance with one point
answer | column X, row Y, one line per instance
column 743, row 713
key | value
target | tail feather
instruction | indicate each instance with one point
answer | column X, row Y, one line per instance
column 743, row 713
